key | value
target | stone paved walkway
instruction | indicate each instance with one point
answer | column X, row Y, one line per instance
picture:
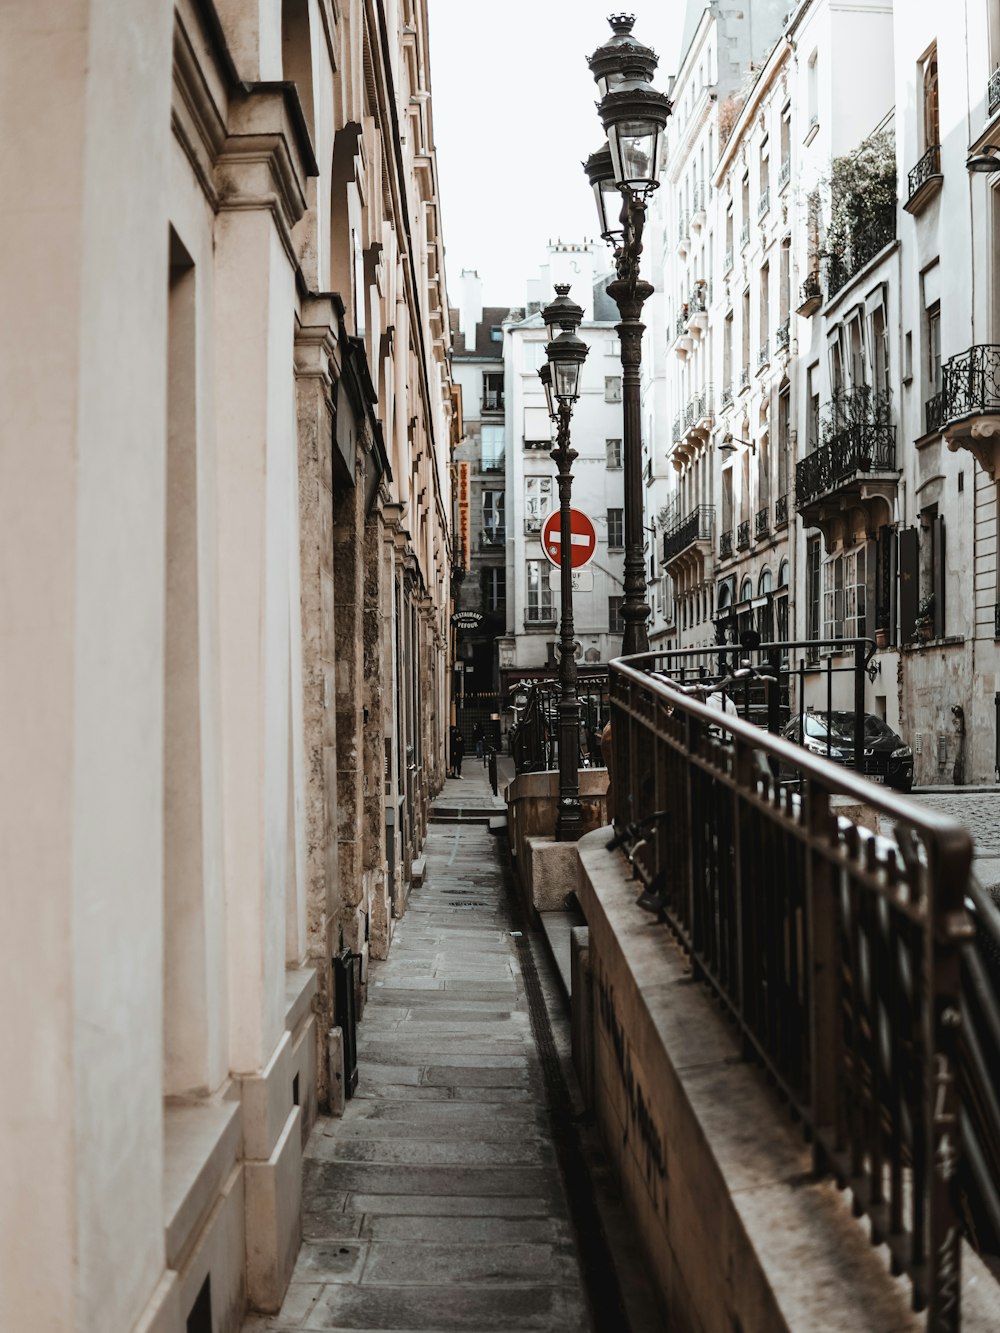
column 436, row 1202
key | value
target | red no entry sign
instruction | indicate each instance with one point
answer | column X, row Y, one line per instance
column 583, row 538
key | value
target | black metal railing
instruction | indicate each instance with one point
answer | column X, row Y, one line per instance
column 493, row 401
column 697, row 526
column 745, row 236
column 864, row 245
column 784, row 173
column 836, row 953
column 762, row 523
column 680, row 328
column 857, row 448
column 934, row 413
column 763, row 354
column 784, row 335
column 490, row 537
column 729, row 260
column 764, row 203
column 979, row 1060
column 697, row 302
column 781, row 511
column 678, row 428
column 928, row 167
column 744, row 376
column 970, row 382
column 993, row 93
column 743, row 536
column 683, row 229
column 725, row 545
column 727, row 397
column 493, row 461
column 534, row 738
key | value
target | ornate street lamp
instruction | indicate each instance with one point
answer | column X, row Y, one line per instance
column 634, row 116
column 560, row 378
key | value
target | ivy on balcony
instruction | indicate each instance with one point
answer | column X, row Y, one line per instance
column 862, row 208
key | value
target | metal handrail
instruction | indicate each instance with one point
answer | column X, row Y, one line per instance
column 837, row 953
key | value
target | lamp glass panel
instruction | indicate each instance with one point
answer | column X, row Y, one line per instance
column 634, row 152
column 549, row 401
column 566, row 377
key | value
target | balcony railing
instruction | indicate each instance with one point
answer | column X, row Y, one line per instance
column 680, row 328
column 493, row 401
column 781, row 511
column 934, row 413
column 677, row 431
column 764, row 203
column 864, row 246
column 838, row 955
column 762, row 523
column 697, row 304
column 784, row 335
column 763, row 354
column 993, row 93
column 725, row 545
column 729, row 260
column 863, row 447
column 926, row 169
column 744, row 377
column 493, row 462
column 490, row 538
column 727, row 397
column 683, row 230
column 810, row 294
column 745, row 236
column 743, row 536
column 970, row 383
column 784, row 173
column 696, row 527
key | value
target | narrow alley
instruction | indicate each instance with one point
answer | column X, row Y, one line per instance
column 436, row 1203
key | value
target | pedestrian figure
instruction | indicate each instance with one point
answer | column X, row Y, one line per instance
column 457, row 752
column 477, row 736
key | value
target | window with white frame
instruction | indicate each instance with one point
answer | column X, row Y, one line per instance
column 491, row 443
column 494, row 588
column 855, row 601
column 833, row 597
column 493, row 518
column 614, row 448
column 612, row 388
column 539, row 605
column 537, row 502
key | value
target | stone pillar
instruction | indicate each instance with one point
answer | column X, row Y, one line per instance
column 315, row 350
column 261, row 186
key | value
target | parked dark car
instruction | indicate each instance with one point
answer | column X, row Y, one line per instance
column 887, row 758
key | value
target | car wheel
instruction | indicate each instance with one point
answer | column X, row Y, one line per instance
column 903, row 784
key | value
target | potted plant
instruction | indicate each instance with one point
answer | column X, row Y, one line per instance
column 882, row 633
column 924, row 623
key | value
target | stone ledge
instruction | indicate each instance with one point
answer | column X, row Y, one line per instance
column 716, row 1180
column 201, row 1144
column 300, row 988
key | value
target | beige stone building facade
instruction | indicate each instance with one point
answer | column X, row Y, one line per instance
column 224, row 454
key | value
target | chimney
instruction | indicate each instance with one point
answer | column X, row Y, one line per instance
column 470, row 314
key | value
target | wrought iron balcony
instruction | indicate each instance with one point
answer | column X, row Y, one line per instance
column 763, row 354
column 934, row 413
column 970, row 387
column 993, row 93
column 697, row 304
column 696, row 527
column 744, row 377
column 493, row 400
column 727, row 397
column 683, row 232
column 698, row 206
column 764, row 203
column 745, row 236
column 925, row 179
column 743, row 536
column 784, row 173
column 490, row 538
column 726, row 546
column 858, row 448
column 762, row 523
column 729, row 260
column 810, row 295
column 863, row 247
column 680, row 328
column 678, row 428
column 781, row 511
column 784, row 335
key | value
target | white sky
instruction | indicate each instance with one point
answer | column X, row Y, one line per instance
column 514, row 117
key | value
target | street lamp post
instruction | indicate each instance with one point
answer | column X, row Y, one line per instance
column 626, row 171
column 560, row 378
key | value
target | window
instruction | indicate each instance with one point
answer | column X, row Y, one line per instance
column 879, row 338
column 537, row 502
column 612, row 388
column 746, row 332
column 781, row 603
column 833, row 598
column 784, row 401
column 812, row 91
column 765, row 307
column 786, row 144
column 496, row 334
column 491, row 442
column 614, row 448
column 934, row 349
column 616, row 625
column 494, row 588
column 929, row 85
column 493, row 391
column 812, row 411
column 855, row 593
column 812, row 590
column 494, row 532
column 537, row 428
column 727, row 353
column 616, row 528
column 534, row 355
column 540, row 608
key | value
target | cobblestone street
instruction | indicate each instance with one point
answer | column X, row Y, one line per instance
column 979, row 810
